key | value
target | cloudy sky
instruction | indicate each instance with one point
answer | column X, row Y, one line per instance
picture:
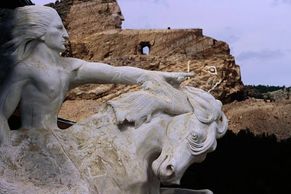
column 258, row 31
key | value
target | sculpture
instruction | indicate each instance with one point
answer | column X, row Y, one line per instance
column 131, row 145
column 40, row 77
column 107, row 153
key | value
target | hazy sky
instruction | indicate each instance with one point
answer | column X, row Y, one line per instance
column 258, row 31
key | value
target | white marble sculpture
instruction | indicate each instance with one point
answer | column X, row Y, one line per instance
column 113, row 151
column 41, row 77
column 130, row 146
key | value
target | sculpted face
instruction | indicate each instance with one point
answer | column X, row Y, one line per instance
column 116, row 15
column 176, row 154
column 56, row 36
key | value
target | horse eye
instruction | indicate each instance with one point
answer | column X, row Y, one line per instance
column 195, row 137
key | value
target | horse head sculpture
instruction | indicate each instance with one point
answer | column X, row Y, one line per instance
column 190, row 136
column 130, row 146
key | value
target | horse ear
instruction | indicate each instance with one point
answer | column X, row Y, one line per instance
column 222, row 126
column 205, row 106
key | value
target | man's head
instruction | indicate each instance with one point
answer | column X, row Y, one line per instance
column 116, row 14
column 33, row 24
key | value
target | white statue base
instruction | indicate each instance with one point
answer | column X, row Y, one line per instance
column 112, row 153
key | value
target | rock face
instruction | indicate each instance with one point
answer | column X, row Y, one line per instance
column 95, row 33
column 168, row 51
column 269, row 117
column 86, row 17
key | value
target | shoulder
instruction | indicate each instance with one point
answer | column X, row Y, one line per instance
column 19, row 72
column 22, row 68
column 72, row 64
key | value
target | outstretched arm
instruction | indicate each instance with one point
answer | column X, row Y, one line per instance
column 89, row 72
column 103, row 73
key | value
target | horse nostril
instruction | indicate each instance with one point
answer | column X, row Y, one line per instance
column 170, row 170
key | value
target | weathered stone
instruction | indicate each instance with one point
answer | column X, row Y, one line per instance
column 214, row 67
column 101, row 39
column 85, row 17
column 133, row 144
column 41, row 77
column 110, row 152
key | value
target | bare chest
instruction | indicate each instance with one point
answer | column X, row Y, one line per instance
column 50, row 81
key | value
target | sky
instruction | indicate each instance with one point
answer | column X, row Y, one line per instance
column 257, row 31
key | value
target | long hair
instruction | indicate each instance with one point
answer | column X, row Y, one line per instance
column 30, row 24
column 21, row 29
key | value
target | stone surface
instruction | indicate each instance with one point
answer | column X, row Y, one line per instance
column 110, row 153
column 40, row 77
column 173, row 50
column 169, row 50
column 86, row 17
column 131, row 146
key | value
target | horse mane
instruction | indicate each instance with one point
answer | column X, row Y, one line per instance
column 20, row 30
column 208, row 111
column 139, row 107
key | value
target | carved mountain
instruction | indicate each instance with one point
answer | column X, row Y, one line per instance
column 96, row 35
column 102, row 39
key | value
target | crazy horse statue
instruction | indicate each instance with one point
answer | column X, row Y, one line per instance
column 133, row 143
column 125, row 148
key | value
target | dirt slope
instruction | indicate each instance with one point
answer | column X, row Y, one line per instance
column 260, row 117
